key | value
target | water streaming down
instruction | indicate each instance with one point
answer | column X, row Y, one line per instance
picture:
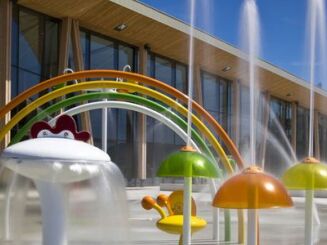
column 110, row 211
column 279, row 152
column 190, row 71
column 251, row 45
column 284, row 142
column 250, row 39
column 16, row 195
column 317, row 54
column 275, row 147
column 56, row 179
column 186, row 238
column 273, row 142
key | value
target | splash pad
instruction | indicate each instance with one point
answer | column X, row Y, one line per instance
column 173, row 112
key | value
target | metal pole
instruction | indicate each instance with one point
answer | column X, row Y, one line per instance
column 215, row 213
column 309, row 194
column 53, row 213
column 252, row 227
column 187, row 211
column 104, row 131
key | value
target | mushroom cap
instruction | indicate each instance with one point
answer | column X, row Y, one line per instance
column 310, row 174
column 252, row 189
column 188, row 163
column 55, row 159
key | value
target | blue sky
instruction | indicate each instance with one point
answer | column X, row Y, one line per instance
column 283, row 26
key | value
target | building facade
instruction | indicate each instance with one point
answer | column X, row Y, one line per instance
column 42, row 38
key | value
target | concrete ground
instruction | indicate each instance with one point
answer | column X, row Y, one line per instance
column 277, row 226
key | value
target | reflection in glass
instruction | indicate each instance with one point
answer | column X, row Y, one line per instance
column 160, row 139
column 29, row 42
column 216, row 98
column 125, row 56
column 279, row 128
column 163, row 70
column 323, row 137
column 101, row 53
column 34, row 49
column 302, row 135
column 181, row 77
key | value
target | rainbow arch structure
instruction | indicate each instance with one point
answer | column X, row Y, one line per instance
column 145, row 89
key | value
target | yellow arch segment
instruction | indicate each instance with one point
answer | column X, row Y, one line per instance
column 119, row 85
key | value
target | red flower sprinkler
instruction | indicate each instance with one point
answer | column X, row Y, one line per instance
column 173, row 222
column 54, row 156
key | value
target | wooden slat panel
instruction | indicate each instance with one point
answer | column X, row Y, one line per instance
column 76, row 46
column 66, row 27
column 61, row 9
column 79, row 65
column 5, row 61
column 197, row 84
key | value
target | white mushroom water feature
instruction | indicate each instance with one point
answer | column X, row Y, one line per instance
column 57, row 156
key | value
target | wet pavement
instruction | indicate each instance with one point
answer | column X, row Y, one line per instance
column 277, row 226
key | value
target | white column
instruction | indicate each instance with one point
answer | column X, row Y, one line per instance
column 187, row 211
column 252, row 227
column 52, row 198
column 309, row 194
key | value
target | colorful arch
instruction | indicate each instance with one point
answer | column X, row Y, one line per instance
column 118, row 85
column 112, row 96
column 133, row 77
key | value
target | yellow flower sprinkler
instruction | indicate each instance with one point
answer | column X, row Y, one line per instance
column 173, row 222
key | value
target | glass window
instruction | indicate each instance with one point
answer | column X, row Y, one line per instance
column 85, row 46
column 163, row 70
column 302, row 133
column 181, row 77
column 125, row 56
column 279, row 152
column 29, row 42
column 34, row 49
column 34, row 53
column 168, row 71
column 50, row 66
column 174, row 74
column 210, row 93
column 280, row 111
column 216, row 98
column 101, row 53
column 323, row 137
column 161, row 140
column 244, row 120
